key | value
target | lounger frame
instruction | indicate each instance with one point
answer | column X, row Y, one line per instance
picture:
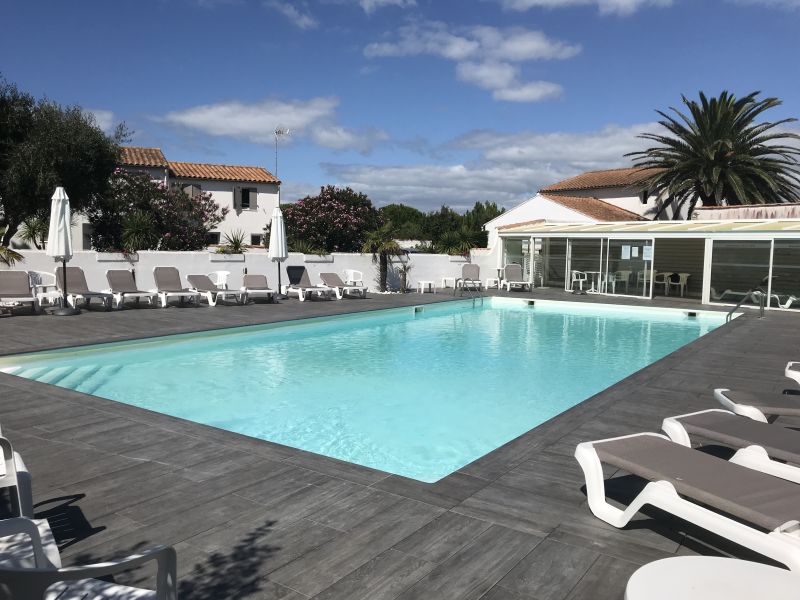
column 744, row 410
column 781, row 544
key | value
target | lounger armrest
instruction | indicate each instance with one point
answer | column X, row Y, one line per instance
column 22, row 525
column 36, row 581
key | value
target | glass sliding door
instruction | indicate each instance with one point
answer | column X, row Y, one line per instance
column 737, row 266
column 785, row 292
column 584, row 265
column 628, row 268
column 554, row 262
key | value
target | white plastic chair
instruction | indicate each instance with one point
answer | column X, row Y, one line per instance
column 30, row 568
column 353, row 277
column 681, row 283
column 662, row 278
column 220, row 278
column 45, row 287
column 578, row 277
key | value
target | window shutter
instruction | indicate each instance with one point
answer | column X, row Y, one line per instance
column 237, row 198
column 254, row 198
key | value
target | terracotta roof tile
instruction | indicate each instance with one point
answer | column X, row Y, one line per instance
column 135, row 156
column 221, row 172
column 595, row 208
column 610, row 178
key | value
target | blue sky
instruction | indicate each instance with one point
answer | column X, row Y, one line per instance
column 418, row 101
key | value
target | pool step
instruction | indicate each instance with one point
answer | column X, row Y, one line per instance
column 98, row 378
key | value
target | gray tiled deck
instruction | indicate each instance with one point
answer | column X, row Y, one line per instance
column 251, row 519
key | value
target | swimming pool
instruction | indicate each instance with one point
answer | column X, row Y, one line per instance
column 416, row 392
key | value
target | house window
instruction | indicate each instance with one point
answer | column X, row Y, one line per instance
column 192, row 190
column 255, row 239
column 245, row 198
column 212, row 238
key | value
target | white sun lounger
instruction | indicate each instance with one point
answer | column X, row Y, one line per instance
column 168, row 285
column 123, row 286
column 256, row 285
column 470, row 277
column 30, row 568
column 767, row 448
column 209, row 290
column 15, row 286
column 512, row 277
column 756, row 510
column 300, row 285
column 15, row 476
column 78, row 289
column 761, row 406
column 334, row 283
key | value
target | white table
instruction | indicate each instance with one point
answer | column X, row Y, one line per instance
column 493, row 282
column 711, row 578
column 594, row 280
column 446, row 279
column 424, row 285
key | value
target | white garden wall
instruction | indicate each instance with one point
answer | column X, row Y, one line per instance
column 430, row 267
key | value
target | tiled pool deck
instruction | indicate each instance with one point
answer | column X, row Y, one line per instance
column 251, row 519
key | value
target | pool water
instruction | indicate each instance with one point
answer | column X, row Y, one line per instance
column 415, row 393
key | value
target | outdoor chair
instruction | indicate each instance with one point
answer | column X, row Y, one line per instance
column 30, row 569
column 750, row 508
column 578, row 277
column 340, row 289
column 16, row 478
column 470, row 277
column 759, row 406
column 353, row 277
column 220, row 278
column 168, row 285
column 15, row 287
column 619, row 277
column 662, row 279
column 300, row 285
column 123, row 286
column 209, row 290
column 78, row 289
column 679, row 280
column 512, row 277
column 767, row 448
column 256, row 285
column 45, row 287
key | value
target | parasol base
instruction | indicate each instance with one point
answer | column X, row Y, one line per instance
column 66, row 311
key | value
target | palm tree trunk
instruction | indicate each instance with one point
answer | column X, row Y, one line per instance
column 11, row 229
column 384, row 270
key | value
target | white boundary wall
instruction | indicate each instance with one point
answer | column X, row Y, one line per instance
column 431, row 267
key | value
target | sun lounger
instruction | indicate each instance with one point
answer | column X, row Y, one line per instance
column 30, row 567
column 512, row 277
column 792, row 371
column 300, row 285
column 15, row 286
column 78, row 289
column 761, row 406
column 256, row 285
column 123, row 286
column 761, row 446
column 15, row 476
column 209, row 290
column 333, row 282
column 756, row 510
column 168, row 285
column 470, row 277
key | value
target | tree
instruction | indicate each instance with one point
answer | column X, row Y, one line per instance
column 44, row 145
column 460, row 241
column 478, row 216
column 8, row 256
column 336, row 220
column 439, row 221
column 140, row 214
column 718, row 154
column 408, row 221
column 382, row 245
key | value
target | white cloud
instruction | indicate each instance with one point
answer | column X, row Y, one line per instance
column 606, row 7
column 373, row 5
column 256, row 122
column 510, row 167
column 103, row 118
column 485, row 56
column 301, row 19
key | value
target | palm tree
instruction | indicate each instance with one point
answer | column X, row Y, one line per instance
column 718, row 155
column 382, row 245
column 458, row 242
column 8, row 256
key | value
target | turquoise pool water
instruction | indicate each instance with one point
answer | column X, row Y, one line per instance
column 419, row 394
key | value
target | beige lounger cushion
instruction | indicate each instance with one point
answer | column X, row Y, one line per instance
column 761, row 499
column 15, row 284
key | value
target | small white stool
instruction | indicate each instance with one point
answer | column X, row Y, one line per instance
column 422, row 286
column 493, row 282
column 447, row 279
column 711, row 578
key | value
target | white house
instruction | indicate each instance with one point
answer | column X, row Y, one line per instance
column 249, row 193
column 594, row 196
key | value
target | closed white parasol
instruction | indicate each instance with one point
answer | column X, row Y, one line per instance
column 59, row 241
column 278, row 251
